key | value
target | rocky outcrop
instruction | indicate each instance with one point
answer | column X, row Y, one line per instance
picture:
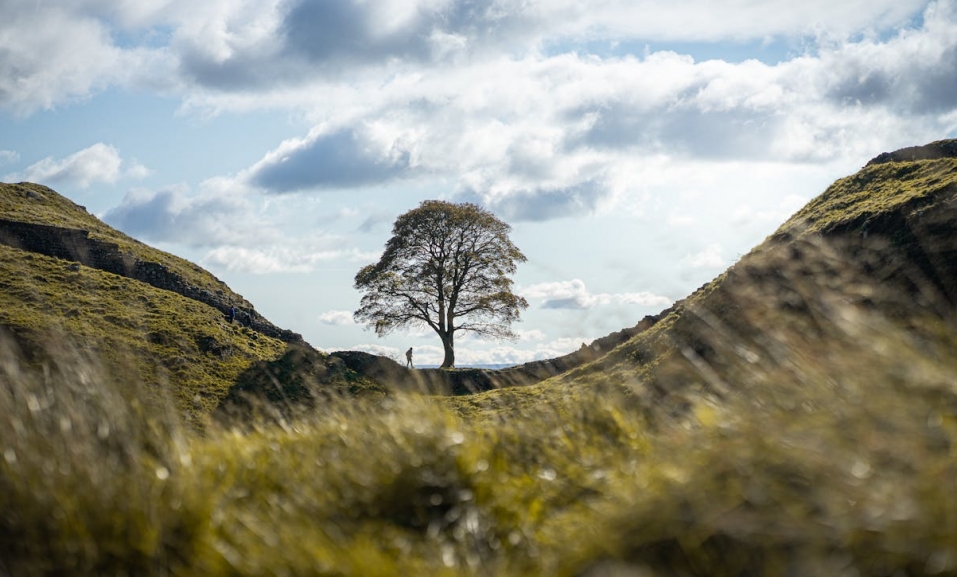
column 76, row 245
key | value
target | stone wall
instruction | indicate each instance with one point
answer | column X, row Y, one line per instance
column 66, row 243
column 77, row 246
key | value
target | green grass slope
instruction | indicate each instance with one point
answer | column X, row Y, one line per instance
column 154, row 335
column 797, row 416
column 878, row 247
column 135, row 330
column 38, row 204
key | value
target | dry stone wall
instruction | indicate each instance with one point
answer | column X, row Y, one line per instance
column 77, row 246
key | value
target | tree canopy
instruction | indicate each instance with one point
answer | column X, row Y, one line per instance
column 447, row 266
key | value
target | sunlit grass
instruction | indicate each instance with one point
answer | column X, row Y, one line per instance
column 37, row 204
column 873, row 191
column 837, row 460
column 797, row 416
column 152, row 335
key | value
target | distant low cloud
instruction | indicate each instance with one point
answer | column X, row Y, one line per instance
column 337, row 318
column 231, row 227
column 136, row 170
column 381, row 350
column 574, row 295
column 375, row 220
column 279, row 258
column 98, row 163
column 504, row 354
column 531, row 335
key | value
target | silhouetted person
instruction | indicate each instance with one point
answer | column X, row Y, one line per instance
column 408, row 359
column 232, row 314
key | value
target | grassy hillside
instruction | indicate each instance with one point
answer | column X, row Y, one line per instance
column 182, row 347
column 796, row 416
column 37, row 204
column 878, row 247
column 153, row 335
column 847, row 469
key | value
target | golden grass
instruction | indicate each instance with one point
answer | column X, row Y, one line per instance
column 875, row 190
column 811, row 456
column 798, row 416
column 37, row 204
column 155, row 335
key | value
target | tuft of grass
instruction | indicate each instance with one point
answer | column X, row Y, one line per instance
column 88, row 471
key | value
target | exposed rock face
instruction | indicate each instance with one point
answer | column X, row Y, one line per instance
column 77, row 246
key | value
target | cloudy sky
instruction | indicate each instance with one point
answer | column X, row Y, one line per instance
column 637, row 148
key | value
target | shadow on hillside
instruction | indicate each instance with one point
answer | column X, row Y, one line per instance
column 391, row 375
column 303, row 377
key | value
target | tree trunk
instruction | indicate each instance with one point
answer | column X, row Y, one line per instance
column 449, row 361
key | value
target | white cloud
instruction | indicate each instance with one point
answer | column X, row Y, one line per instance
column 508, row 355
column 97, row 163
column 747, row 214
column 682, row 220
column 337, row 318
column 9, row 156
column 710, row 257
column 238, row 44
column 531, row 335
column 538, row 110
column 539, row 136
column 174, row 214
column 701, row 20
column 341, row 159
column 574, row 295
column 237, row 232
column 278, row 258
column 504, row 97
column 137, row 171
column 60, row 52
column 479, row 355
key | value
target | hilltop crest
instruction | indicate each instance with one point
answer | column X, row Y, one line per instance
column 870, row 260
column 69, row 282
column 932, row 151
column 38, row 219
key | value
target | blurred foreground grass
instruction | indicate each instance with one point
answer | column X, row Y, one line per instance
column 796, row 416
column 836, row 464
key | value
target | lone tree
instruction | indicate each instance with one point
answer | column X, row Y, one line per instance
column 446, row 266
